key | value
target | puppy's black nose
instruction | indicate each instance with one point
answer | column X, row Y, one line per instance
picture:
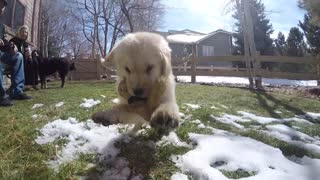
column 138, row 92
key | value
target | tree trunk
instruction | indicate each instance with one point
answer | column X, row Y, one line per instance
column 253, row 50
column 246, row 44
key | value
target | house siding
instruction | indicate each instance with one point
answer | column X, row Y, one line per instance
column 222, row 44
column 31, row 19
column 178, row 50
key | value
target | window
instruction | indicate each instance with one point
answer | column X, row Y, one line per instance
column 14, row 14
column 207, row 51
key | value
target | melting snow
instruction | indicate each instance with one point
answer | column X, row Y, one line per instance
column 88, row 103
column 292, row 136
column 248, row 117
column 173, row 139
column 83, row 137
column 192, row 106
column 59, row 104
column 37, row 106
column 229, row 152
column 179, row 176
column 239, row 80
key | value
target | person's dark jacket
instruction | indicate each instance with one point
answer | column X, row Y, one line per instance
column 20, row 43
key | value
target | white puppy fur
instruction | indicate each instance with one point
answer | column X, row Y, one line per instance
column 142, row 60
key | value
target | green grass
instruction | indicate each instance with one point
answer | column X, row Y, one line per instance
column 21, row 158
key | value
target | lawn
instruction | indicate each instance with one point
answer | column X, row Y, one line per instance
column 230, row 113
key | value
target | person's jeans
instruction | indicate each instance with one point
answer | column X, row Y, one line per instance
column 15, row 65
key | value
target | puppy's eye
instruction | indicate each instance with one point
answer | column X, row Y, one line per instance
column 149, row 69
column 128, row 70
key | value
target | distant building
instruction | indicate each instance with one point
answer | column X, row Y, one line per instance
column 216, row 43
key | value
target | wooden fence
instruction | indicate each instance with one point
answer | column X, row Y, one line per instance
column 210, row 70
column 92, row 69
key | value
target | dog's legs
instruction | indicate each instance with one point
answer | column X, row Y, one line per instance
column 42, row 80
column 62, row 77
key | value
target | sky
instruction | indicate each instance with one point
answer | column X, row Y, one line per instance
column 209, row 15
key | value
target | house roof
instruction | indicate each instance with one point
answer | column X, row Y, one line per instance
column 191, row 37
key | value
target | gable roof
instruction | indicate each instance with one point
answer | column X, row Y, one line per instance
column 192, row 37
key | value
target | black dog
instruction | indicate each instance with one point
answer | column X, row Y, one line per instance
column 48, row 66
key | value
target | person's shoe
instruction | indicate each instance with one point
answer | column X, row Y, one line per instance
column 22, row 96
column 5, row 102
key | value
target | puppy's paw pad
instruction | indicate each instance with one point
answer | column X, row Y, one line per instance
column 164, row 120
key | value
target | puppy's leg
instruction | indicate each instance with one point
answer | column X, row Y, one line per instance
column 165, row 118
column 42, row 79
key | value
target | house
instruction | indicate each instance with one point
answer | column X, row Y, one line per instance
column 18, row 13
column 216, row 43
column 23, row 12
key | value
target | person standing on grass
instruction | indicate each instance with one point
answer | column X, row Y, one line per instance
column 10, row 58
column 31, row 66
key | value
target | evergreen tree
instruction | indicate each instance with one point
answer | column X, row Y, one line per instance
column 295, row 43
column 295, row 46
column 280, row 44
column 262, row 30
column 312, row 34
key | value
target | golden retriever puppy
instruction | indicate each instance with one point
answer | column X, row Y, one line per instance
column 145, row 84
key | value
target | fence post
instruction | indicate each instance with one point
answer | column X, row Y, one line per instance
column 211, row 68
column 98, row 66
column 193, row 64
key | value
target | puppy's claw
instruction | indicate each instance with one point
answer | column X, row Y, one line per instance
column 164, row 122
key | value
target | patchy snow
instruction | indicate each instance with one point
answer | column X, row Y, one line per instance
column 229, row 152
column 173, row 139
column 214, row 107
column 193, row 106
column 116, row 101
column 36, row 116
column 239, row 80
column 248, row 117
column 199, row 123
column 230, row 119
column 82, row 137
column 103, row 96
column 294, row 137
column 311, row 115
column 223, row 106
column 179, row 176
column 88, row 103
column 59, row 104
column 37, row 106
column 181, row 115
column 278, row 112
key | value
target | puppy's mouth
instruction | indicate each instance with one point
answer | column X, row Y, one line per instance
column 134, row 99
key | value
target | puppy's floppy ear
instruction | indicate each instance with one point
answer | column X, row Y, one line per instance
column 165, row 54
column 108, row 60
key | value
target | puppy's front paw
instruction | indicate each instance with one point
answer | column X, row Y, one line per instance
column 104, row 117
column 164, row 120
